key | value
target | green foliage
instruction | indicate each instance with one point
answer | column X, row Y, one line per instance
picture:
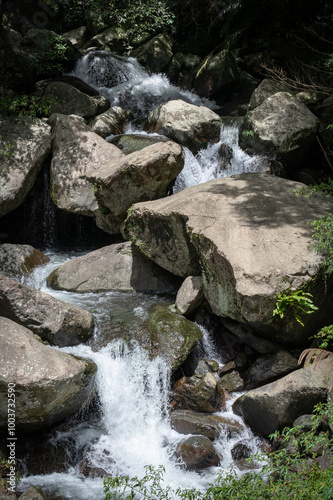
column 248, row 133
column 136, row 17
column 55, row 55
column 298, row 301
column 323, row 239
column 6, row 150
column 287, row 475
column 325, row 335
column 26, row 105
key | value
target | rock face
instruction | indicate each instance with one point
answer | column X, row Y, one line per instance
column 142, row 175
column 276, row 405
column 16, row 260
column 169, row 336
column 49, row 385
column 269, row 367
column 26, row 144
column 282, row 125
column 71, row 101
column 77, row 153
column 210, row 426
column 198, row 393
column 58, row 322
column 111, row 121
column 156, row 53
column 218, row 73
column 189, row 125
column 197, row 452
column 119, row 267
column 265, row 89
column 197, row 231
column 190, row 295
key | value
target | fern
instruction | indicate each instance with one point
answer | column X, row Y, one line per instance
column 299, row 302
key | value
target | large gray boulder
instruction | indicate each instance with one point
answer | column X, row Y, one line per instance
column 69, row 100
column 198, row 393
column 49, row 385
column 208, row 425
column 265, row 89
column 276, row 405
column 110, row 122
column 139, row 176
column 282, row 125
column 57, row 322
column 26, row 143
column 113, row 38
column 118, row 267
column 168, row 336
column 189, row 125
column 249, row 237
column 77, row 153
column 156, row 53
column 17, row 260
column 269, row 367
column 216, row 74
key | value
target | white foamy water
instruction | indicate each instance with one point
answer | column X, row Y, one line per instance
column 132, row 428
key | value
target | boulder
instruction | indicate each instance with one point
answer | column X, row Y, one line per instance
column 265, row 89
column 275, row 406
column 169, row 336
column 190, row 295
column 189, row 125
column 32, row 493
column 142, row 175
column 55, row 321
column 196, row 231
column 113, row 38
column 77, row 153
column 198, row 393
column 215, row 74
column 49, row 385
column 281, row 125
column 155, row 54
column 17, row 260
column 246, row 335
column 76, row 37
column 210, row 426
column 197, row 453
column 110, row 122
column 26, row 143
column 269, row 367
column 69, row 100
column 128, row 143
column 118, row 267
column 231, row 382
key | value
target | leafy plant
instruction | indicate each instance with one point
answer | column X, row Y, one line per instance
column 25, row 105
column 248, row 133
column 323, row 239
column 6, row 150
column 298, row 301
column 325, row 334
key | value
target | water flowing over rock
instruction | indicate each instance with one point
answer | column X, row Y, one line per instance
column 69, row 100
column 49, row 385
column 189, row 125
column 17, row 260
column 260, row 216
column 77, row 153
column 116, row 267
column 142, row 175
column 57, row 322
column 282, row 125
column 276, row 405
column 26, row 143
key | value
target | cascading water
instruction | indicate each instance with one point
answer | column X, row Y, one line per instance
column 131, row 428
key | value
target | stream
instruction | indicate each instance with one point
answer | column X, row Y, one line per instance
column 128, row 426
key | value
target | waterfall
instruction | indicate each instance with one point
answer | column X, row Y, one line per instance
column 131, row 428
column 126, row 84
